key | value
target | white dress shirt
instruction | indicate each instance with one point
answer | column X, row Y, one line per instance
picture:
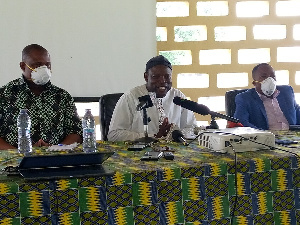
column 127, row 122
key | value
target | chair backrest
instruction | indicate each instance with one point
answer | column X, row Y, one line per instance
column 230, row 101
column 107, row 105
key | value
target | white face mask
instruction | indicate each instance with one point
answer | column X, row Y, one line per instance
column 41, row 75
column 268, row 86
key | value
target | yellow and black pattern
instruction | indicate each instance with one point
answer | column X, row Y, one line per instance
column 9, row 205
column 91, row 182
column 89, row 218
column 41, row 220
column 244, row 203
column 267, row 218
column 146, row 214
column 195, row 210
column 296, row 178
column 64, row 201
column 281, row 163
column 197, row 187
column 187, row 172
column 216, row 186
column 242, row 167
column 297, row 215
column 34, row 186
column 261, row 182
column 119, row 195
column 283, row 200
column 169, row 191
column 144, row 176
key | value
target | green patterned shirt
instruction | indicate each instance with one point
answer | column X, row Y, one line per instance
column 53, row 113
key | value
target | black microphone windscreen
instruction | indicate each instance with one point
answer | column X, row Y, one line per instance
column 193, row 106
column 147, row 99
column 176, row 134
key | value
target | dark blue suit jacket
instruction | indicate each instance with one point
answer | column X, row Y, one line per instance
column 251, row 112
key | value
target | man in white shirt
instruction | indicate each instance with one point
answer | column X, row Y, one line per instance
column 127, row 121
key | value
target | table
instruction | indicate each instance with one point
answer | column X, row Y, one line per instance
column 198, row 187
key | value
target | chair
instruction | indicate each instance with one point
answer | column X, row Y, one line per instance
column 107, row 105
column 230, row 101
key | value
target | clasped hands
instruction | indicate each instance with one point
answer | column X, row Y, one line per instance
column 40, row 143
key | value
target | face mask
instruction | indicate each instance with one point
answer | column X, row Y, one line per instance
column 268, row 86
column 41, row 75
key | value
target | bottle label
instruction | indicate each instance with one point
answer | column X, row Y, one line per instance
column 88, row 131
column 24, row 132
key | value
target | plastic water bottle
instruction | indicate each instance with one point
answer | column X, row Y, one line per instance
column 24, row 125
column 89, row 137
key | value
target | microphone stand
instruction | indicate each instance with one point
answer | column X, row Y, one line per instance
column 213, row 124
column 146, row 139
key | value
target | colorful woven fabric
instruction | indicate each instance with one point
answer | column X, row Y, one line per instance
column 197, row 187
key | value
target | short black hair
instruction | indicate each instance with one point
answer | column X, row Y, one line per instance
column 158, row 60
column 256, row 68
column 26, row 51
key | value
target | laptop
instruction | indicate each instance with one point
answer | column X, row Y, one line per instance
column 59, row 166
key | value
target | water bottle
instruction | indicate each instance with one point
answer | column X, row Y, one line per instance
column 89, row 137
column 24, row 125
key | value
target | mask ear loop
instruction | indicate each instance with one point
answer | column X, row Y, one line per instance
column 30, row 67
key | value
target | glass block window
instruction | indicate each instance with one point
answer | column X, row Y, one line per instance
column 230, row 80
column 230, row 33
column 178, row 57
column 212, row 8
column 269, row 32
column 252, row 8
column 282, row 77
column 161, row 34
column 172, row 9
column 190, row 33
column 192, row 80
column 214, row 44
column 253, row 56
column 215, row 103
column 215, row 56
column 297, row 77
column 288, row 8
column 288, row 54
column 296, row 31
column 297, row 98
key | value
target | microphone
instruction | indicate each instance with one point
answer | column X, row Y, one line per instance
column 201, row 109
column 145, row 102
column 178, row 137
column 190, row 105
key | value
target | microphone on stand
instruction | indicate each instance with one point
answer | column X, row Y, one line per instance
column 145, row 102
column 201, row 109
column 179, row 137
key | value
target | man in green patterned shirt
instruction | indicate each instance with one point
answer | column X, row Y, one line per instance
column 53, row 114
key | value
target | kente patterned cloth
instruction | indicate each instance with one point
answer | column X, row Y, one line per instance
column 197, row 187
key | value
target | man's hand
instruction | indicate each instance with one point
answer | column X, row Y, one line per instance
column 41, row 143
column 164, row 128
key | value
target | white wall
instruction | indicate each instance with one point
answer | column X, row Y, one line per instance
column 96, row 46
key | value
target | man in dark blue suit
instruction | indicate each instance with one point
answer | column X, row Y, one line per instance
column 267, row 106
